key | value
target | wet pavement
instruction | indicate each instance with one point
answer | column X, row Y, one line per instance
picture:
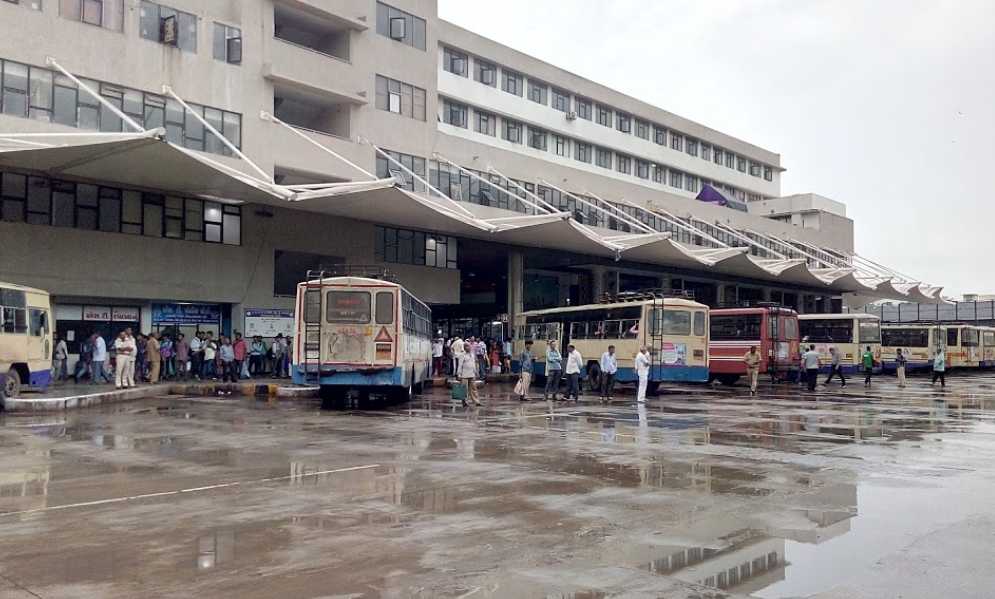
column 701, row 493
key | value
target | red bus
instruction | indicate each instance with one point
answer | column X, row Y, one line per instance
column 773, row 330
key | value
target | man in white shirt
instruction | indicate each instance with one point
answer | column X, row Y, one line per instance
column 643, row 372
column 124, row 347
column 609, row 366
column 437, row 356
column 99, row 359
column 196, row 354
column 575, row 363
column 810, row 361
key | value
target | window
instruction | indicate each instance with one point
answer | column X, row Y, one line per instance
column 403, row 246
column 829, row 330
column 754, row 169
column 108, row 14
column 659, row 135
column 400, row 26
column 676, row 141
column 454, row 62
column 347, row 307
column 603, row 157
column 741, row 164
column 584, row 108
column 905, row 337
column 400, row 98
column 561, row 100
column 768, row 173
column 691, row 183
column 227, row 43
column 642, row 169
column 582, row 151
column 512, row 82
column 37, row 322
column 706, row 152
column 537, row 92
column 604, row 115
column 623, row 164
column 676, row 179
column 659, row 174
column 512, row 131
column 537, row 138
column 624, row 122
column 485, row 72
column 15, row 89
column 561, row 146
column 730, row 160
column 13, row 311
column 416, row 164
column 718, row 157
column 692, row 147
column 870, row 331
column 642, row 129
column 385, row 307
column 675, row 322
column 454, row 113
column 736, row 327
column 485, row 122
column 168, row 26
column 699, row 324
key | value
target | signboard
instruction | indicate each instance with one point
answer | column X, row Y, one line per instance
column 348, row 306
column 126, row 314
column 97, row 313
column 674, row 354
column 186, row 314
column 268, row 322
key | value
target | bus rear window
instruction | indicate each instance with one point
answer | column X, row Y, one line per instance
column 347, row 307
column 733, row 327
column 385, row 307
column 676, row 322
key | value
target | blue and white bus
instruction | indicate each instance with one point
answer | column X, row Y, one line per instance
column 361, row 333
column 25, row 338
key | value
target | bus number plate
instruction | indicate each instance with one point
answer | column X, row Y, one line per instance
column 384, row 351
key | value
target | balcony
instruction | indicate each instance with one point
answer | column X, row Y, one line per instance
column 298, row 162
column 297, row 23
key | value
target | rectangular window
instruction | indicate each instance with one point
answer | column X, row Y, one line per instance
column 691, row 183
column 512, row 131
column 676, row 179
column 537, row 139
column 692, row 147
column 768, row 173
column 604, row 115
column 454, row 61
column 454, row 113
column 623, row 164
column 512, row 82
column 168, row 26
column 582, row 152
column 623, row 122
column 659, row 135
column 15, row 89
column 561, row 146
column 485, row 123
column 227, row 43
column 561, row 100
column 676, row 141
column 109, row 210
column 385, row 307
column 603, row 157
column 108, row 14
column 642, row 169
column 63, row 204
column 485, row 72
column 754, row 169
column 642, row 129
column 718, row 157
column 584, row 107
column 399, row 97
column 415, row 164
column 400, row 26
column 730, row 160
column 741, row 164
column 706, row 152
column 415, row 247
column 659, row 174
column 41, row 89
column 537, row 92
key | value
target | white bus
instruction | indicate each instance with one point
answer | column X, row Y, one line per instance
column 25, row 338
column 674, row 330
column 850, row 334
column 361, row 333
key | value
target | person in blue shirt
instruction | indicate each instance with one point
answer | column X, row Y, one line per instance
column 609, row 366
column 554, row 370
column 940, row 367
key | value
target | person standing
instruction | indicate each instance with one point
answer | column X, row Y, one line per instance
column 168, row 357
column 197, row 355
column 99, row 359
column 834, row 367
column 124, row 348
column 900, row 362
column 437, row 356
column 940, row 367
column 526, row 362
column 868, row 362
column 554, row 370
column 279, row 349
column 642, row 373
column 609, row 367
column 810, row 361
column 480, row 347
column 132, row 355
column 84, row 364
column 154, row 355
column 575, row 364
column 209, row 368
column 59, row 357
column 239, row 351
column 752, row 360
column 229, row 367
column 467, row 372
column 257, row 352
column 182, row 350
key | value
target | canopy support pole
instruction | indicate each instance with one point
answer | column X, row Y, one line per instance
column 599, row 209
column 548, row 207
column 622, row 215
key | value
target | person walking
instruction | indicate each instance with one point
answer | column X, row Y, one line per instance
column 554, row 370
column 810, row 361
column 900, row 362
column 154, row 355
column 526, row 362
column 940, row 367
column 124, row 348
column 609, row 368
column 99, row 359
column 84, row 364
column 229, row 366
column 575, row 365
column 868, row 361
column 467, row 372
column 182, row 350
column 834, row 367
column 752, row 360
column 239, row 352
column 59, row 357
column 197, row 355
column 642, row 373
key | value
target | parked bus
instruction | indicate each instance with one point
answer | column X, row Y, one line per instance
column 673, row 329
column 25, row 338
column 774, row 332
column 850, row 334
column 361, row 333
column 918, row 343
column 963, row 346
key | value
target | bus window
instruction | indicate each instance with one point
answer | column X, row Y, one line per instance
column 14, row 320
column 951, row 336
column 870, row 331
column 970, row 338
column 348, row 307
column 829, row 330
column 39, row 322
column 733, row 327
column 630, row 329
column 312, row 306
column 790, row 329
column 613, row 329
column 578, row 330
column 905, row 337
column 699, row 324
column 676, row 322
column 385, row 307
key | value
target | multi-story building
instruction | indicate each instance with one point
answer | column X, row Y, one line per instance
column 500, row 132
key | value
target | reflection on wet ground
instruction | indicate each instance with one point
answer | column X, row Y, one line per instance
column 703, row 492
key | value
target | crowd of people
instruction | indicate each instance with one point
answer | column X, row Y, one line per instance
column 155, row 357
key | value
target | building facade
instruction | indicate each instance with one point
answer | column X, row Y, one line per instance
column 351, row 74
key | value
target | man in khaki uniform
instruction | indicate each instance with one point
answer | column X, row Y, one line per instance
column 154, row 357
column 752, row 360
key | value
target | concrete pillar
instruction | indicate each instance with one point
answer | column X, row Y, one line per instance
column 516, row 286
column 597, row 283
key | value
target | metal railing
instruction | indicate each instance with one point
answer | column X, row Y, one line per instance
column 953, row 312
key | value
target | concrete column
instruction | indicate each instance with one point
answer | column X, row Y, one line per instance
column 597, row 283
column 516, row 286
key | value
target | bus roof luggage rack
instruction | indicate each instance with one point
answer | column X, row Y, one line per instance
column 648, row 294
column 366, row 271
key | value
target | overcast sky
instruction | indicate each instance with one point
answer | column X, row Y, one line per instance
column 887, row 106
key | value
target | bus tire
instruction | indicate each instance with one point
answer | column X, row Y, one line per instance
column 728, row 379
column 12, row 383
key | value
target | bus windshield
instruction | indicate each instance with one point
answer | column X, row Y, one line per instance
column 732, row 327
column 347, row 307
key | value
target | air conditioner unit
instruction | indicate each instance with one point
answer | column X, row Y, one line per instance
column 571, row 116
